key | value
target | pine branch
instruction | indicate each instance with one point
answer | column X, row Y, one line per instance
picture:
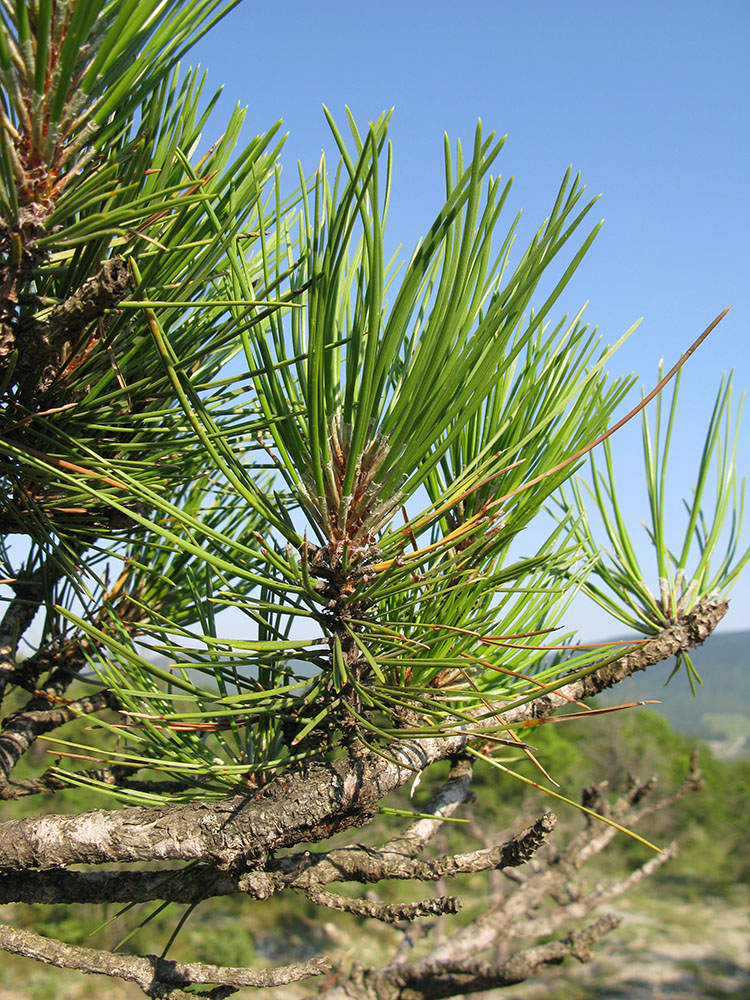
column 300, row 806
column 524, row 912
column 390, row 913
column 374, row 865
column 308, row 873
column 29, row 595
column 103, row 291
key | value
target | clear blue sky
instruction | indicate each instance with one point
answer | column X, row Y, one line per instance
column 648, row 100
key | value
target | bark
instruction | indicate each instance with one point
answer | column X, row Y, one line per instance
column 28, row 597
column 307, row 806
column 88, row 303
column 306, row 871
column 156, row 976
column 457, row 978
column 38, row 716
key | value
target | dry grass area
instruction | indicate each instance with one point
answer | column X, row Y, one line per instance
column 663, row 950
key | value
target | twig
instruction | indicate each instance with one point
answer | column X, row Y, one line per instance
column 372, row 865
column 521, row 913
column 390, row 913
column 21, row 729
column 156, row 976
column 28, row 597
column 436, row 980
column 688, row 631
column 455, row 791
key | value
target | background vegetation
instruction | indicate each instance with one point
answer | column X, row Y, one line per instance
column 696, row 891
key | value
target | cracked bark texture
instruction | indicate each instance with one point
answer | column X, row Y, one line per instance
column 47, row 340
column 99, row 293
column 156, row 976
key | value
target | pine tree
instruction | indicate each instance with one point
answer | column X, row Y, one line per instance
column 263, row 497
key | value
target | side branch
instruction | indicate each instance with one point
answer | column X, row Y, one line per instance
column 448, row 979
column 370, row 865
column 390, row 913
column 21, row 729
column 678, row 637
column 28, row 597
column 101, row 292
column 156, row 976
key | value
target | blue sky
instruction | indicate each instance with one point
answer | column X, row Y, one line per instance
column 649, row 101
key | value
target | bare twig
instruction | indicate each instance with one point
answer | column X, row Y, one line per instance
column 21, row 729
column 390, row 913
column 28, row 597
column 454, row 793
column 156, row 976
column 366, row 865
column 433, row 981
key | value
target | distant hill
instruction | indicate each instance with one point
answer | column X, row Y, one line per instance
column 720, row 710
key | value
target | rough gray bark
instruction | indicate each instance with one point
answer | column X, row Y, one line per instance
column 447, row 979
column 305, row 871
column 157, row 977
